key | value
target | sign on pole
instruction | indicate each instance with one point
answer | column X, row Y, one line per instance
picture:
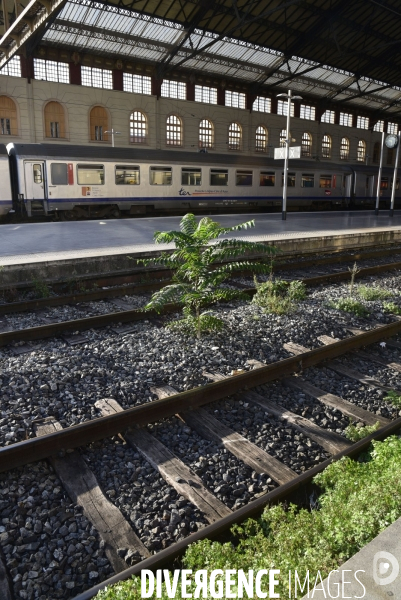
column 294, row 152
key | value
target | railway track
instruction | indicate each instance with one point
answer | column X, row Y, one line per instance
column 125, row 315
column 195, row 410
column 116, row 285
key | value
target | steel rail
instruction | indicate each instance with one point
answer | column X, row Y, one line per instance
column 165, row 558
column 126, row 316
column 129, row 287
column 35, row 449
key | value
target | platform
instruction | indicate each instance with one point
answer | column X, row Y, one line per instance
column 377, row 567
column 68, row 249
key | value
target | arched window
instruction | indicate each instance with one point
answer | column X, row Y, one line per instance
column 206, row 134
column 306, row 144
column 376, row 152
column 344, row 149
column 261, row 139
column 173, row 131
column 99, row 124
column 283, row 137
column 54, row 120
column 8, row 116
column 326, row 146
column 234, row 137
column 361, row 151
column 137, row 128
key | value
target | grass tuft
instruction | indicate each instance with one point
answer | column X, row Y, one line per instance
column 350, row 305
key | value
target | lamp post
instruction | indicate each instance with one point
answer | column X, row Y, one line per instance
column 379, row 176
column 113, row 133
column 395, row 175
column 289, row 97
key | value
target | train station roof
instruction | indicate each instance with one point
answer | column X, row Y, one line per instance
column 340, row 51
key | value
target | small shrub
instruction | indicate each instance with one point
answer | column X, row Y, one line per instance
column 372, row 293
column 350, row 305
column 354, row 272
column 278, row 296
column 358, row 433
column 297, row 290
column 41, row 288
column 393, row 398
column 200, row 269
column 392, row 307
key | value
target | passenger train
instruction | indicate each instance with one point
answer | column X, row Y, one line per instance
column 72, row 182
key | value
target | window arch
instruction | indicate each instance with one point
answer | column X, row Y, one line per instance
column 361, row 151
column 206, row 134
column 8, row 116
column 326, row 146
column 234, row 136
column 306, row 144
column 261, row 139
column 283, row 137
column 173, row 131
column 137, row 128
column 344, row 149
column 376, row 152
column 54, row 120
column 99, row 124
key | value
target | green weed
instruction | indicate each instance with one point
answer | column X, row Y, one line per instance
column 350, row 305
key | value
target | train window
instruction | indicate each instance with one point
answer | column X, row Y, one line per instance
column 397, row 184
column 307, row 181
column 90, row 174
column 160, row 175
column 267, row 179
column 243, row 178
column 325, row 181
column 37, row 173
column 384, row 183
column 59, row 173
column 191, row 176
column 218, row 177
column 290, row 180
column 127, row 175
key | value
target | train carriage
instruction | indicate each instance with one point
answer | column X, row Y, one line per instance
column 6, row 203
column 82, row 182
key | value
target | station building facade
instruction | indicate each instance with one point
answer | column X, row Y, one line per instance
column 62, row 98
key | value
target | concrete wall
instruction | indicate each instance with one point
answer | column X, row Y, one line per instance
column 31, row 96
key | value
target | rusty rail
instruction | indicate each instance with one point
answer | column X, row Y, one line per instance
column 31, row 450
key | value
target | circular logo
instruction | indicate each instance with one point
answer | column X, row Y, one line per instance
column 385, row 568
column 327, row 192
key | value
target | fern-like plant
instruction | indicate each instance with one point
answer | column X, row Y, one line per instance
column 200, row 270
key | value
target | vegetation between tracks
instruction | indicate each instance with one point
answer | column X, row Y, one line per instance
column 359, row 499
column 198, row 280
column 279, row 296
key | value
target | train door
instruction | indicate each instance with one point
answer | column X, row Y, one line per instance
column 347, row 183
column 370, row 186
column 35, row 187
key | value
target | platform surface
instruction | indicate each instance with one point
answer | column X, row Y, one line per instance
column 374, row 573
column 38, row 242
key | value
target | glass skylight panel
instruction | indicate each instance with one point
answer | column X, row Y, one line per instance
column 379, row 126
column 392, row 128
column 137, row 84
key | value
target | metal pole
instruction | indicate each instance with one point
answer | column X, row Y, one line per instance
column 112, row 138
column 395, row 175
column 287, row 152
column 379, row 177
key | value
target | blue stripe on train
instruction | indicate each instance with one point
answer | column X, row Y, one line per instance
column 92, row 199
